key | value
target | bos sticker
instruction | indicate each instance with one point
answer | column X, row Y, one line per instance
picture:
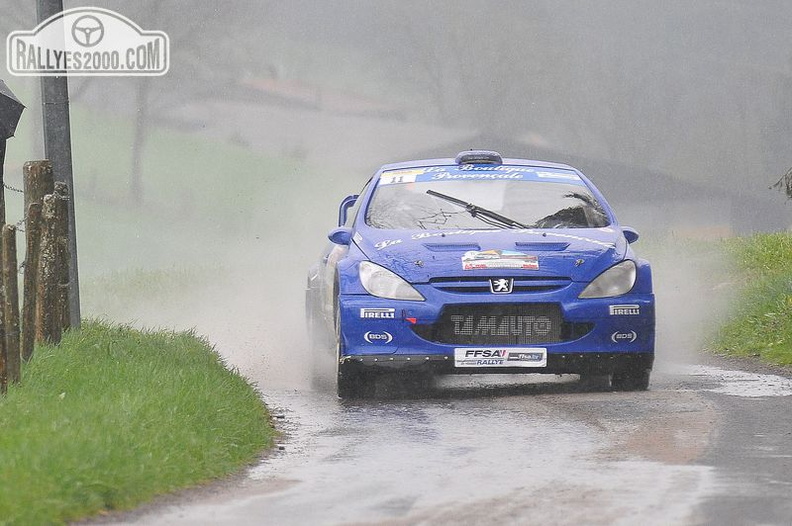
column 624, row 337
column 498, row 259
column 496, row 357
column 378, row 337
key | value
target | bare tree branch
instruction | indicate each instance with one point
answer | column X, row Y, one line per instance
column 784, row 184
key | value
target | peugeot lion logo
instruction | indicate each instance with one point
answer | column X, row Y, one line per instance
column 501, row 285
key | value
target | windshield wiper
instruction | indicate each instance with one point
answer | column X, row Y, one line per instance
column 488, row 216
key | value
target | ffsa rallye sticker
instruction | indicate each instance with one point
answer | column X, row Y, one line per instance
column 490, row 357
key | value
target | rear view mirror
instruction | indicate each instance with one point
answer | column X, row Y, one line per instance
column 341, row 235
column 630, row 234
column 346, row 204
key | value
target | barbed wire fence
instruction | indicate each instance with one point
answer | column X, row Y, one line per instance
column 21, row 223
column 45, row 308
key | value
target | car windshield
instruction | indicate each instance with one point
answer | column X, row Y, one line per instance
column 484, row 204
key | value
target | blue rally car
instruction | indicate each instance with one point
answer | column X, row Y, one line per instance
column 482, row 265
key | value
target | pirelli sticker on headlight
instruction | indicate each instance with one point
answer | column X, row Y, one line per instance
column 625, row 310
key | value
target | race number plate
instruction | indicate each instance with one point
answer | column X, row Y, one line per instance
column 500, row 357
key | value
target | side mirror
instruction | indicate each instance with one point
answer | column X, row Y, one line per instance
column 630, row 234
column 341, row 235
column 346, row 204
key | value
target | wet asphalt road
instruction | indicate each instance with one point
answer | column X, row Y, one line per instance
column 706, row 445
column 752, row 451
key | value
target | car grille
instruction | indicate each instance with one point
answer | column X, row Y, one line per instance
column 501, row 324
column 481, row 285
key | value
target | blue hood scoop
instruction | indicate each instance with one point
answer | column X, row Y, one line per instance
column 542, row 247
column 451, row 247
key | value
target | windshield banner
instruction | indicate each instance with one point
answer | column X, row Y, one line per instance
column 478, row 172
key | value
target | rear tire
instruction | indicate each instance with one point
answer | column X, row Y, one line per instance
column 631, row 380
column 322, row 371
column 320, row 348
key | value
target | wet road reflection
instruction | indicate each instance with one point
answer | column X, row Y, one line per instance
column 489, row 450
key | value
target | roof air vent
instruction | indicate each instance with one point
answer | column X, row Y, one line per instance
column 478, row 157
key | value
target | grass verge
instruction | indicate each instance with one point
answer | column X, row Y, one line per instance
column 760, row 324
column 114, row 416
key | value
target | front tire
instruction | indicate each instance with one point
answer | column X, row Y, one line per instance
column 595, row 382
column 631, row 380
column 351, row 380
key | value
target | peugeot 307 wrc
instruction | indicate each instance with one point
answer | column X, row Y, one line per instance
column 481, row 264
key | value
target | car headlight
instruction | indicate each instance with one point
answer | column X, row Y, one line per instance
column 383, row 283
column 617, row 280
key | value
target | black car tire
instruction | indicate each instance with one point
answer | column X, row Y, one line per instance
column 634, row 380
column 317, row 338
column 319, row 348
column 595, row 382
column 351, row 380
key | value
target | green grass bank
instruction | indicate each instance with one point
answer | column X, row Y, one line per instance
column 115, row 416
column 760, row 321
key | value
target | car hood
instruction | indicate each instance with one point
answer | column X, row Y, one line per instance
column 418, row 256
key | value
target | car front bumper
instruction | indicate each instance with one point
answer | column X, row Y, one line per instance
column 607, row 335
column 593, row 363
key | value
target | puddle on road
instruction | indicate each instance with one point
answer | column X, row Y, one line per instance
column 739, row 383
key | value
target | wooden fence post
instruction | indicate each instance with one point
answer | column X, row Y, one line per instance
column 62, row 255
column 3, row 370
column 11, row 304
column 47, row 317
column 38, row 181
column 33, row 247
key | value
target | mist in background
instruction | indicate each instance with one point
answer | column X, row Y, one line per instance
column 204, row 195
